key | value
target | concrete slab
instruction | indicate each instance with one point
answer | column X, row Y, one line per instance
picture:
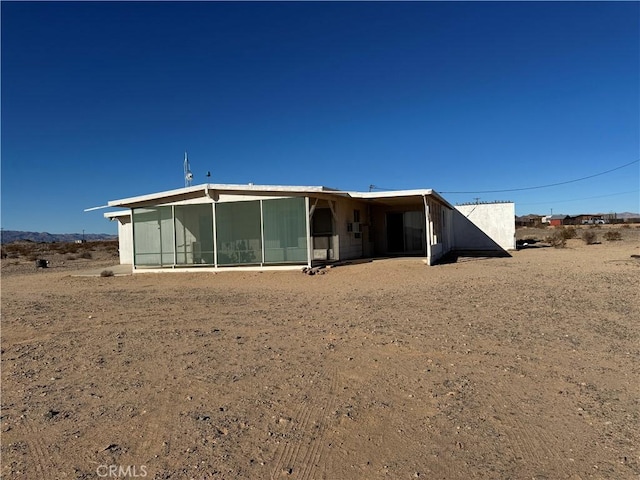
column 118, row 271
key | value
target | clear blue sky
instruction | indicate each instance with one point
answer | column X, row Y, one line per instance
column 100, row 101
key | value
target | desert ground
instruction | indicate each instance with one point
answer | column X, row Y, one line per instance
column 487, row 368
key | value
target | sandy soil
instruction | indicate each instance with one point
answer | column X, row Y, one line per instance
column 506, row 368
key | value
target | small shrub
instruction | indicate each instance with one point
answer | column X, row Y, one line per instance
column 86, row 255
column 71, row 257
column 626, row 225
column 568, row 233
column 612, row 236
column 589, row 237
column 556, row 240
column 106, row 273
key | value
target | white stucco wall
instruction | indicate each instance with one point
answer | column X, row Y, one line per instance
column 125, row 240
column 485, row 226
column 350, row 246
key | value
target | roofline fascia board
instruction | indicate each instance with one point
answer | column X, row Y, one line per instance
column 119, row 213
column 213, row 190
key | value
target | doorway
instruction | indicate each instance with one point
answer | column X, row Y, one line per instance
column 406, row 232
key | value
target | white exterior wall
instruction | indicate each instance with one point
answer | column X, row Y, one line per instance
column 485, row 226
column 438, row 231
column 125, row 240
column 349, row 246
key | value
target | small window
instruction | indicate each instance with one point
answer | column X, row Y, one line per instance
column 356, row 216
column 322, row 222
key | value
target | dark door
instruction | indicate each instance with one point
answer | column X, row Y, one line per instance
column 395, row 232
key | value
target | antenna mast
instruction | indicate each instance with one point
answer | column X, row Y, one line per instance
column 188, row 176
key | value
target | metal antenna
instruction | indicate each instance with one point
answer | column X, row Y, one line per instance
column 188, row 176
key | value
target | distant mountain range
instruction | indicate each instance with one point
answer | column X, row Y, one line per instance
column 627, row 215
column 9, row 236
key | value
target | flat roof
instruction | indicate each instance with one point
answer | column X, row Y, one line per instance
column 244, row 189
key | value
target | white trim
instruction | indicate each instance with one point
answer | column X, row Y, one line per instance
column 175, row 239
column 309, row 239
column 118, row 214
column 215, row 236
column 269, row 190
column 427, row 232
column 251, row 268
column 261, row 233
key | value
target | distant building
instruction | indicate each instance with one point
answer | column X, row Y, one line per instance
column 530, row 220
column 588, row 219
column 557, row 220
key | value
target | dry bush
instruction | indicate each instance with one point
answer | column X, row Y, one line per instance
column 568, row 233
column 71, row 257
column 612, row 236
column 589, row 237
column 106, row 273
column 86, row 255
column 17, row 250
column 626, row 225
column 556, row 240
column 69, row 248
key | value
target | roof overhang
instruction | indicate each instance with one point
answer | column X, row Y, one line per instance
column 118, row 214
column 213, row 190
column 396, row 197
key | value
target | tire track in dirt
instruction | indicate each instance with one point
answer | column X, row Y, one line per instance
column 284, row 448
column 154, row 439
column 301, row 457
column 44, row 461
column 315, row 459
column 529, row 442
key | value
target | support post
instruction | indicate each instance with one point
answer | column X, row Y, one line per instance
column 175, row 238
column 133, row 242
column 427, row 216
column 309, row 239
column 215, row 233
column 261, row 234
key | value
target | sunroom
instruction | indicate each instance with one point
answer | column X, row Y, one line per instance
column 261, row 232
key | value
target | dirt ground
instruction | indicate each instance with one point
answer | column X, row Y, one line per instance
column 492, row 368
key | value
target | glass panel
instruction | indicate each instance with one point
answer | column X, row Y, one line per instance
column 414, row 239
column 194, row 234
column 238, row 233
column 153, row 236
column 285, row 230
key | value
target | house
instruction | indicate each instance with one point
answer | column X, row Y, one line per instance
column 558, row 220
column 588, row 219
column 530, row 220
column 220, row 226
